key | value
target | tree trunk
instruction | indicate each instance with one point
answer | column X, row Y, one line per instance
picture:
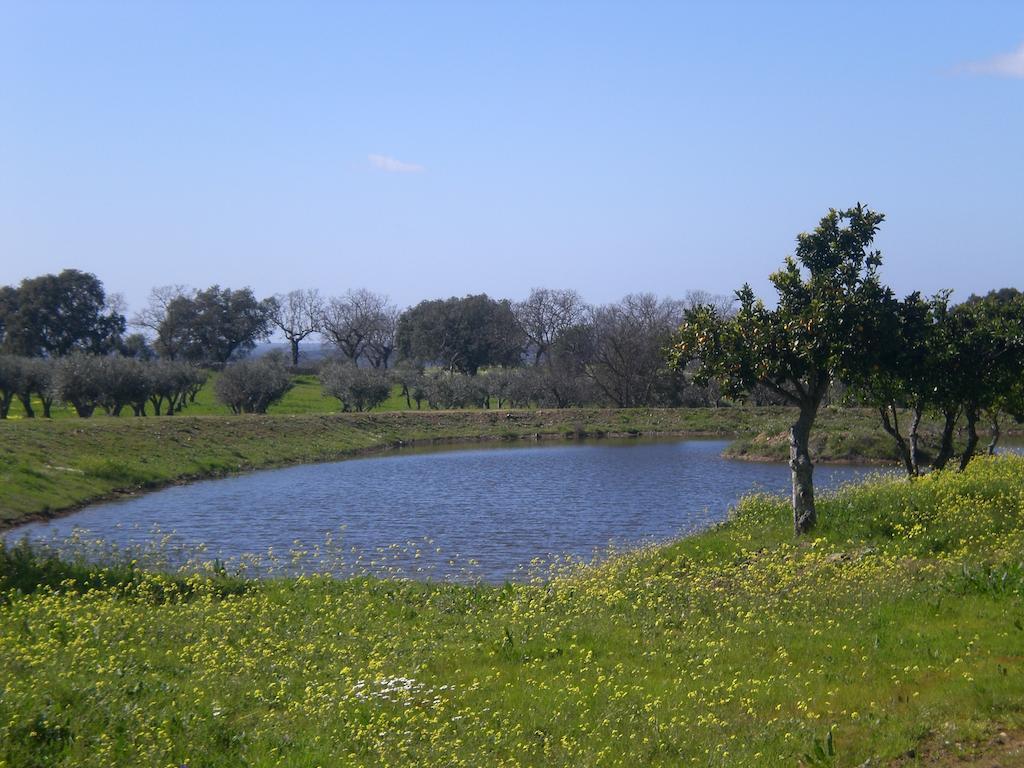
column 295, row 351
column 26, row 403
column 891, row 424
column 946, row 445
column 914, row 437
column 804, row 514
column 971, row 413
column 994, row 433
column 84, row 410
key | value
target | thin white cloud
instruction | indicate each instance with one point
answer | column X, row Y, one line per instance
column 391, row 165
column 1001, row 65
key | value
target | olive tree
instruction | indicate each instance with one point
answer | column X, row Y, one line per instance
column 171, row 383
column 412, row 381
column 10, row 382
column 452, row 389
column 823, row 327
column 252, row 386
column 36, row 380
column 358, row 389
column 124, row 381
column 78, row 381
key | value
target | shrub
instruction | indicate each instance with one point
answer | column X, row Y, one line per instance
column 358, row 389
column 78, row 380
column 252, row 386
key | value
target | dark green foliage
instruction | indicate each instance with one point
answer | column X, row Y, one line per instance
column 461, row 334
column 57, row 314
column 213, row 326
column 830, row 311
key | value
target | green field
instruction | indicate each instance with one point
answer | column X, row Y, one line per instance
column 898, row 628
column 304, row 397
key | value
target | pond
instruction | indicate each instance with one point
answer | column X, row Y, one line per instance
column 485, row 512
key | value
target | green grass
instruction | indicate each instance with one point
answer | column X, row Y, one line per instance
column 900, row 621
column 304, row 397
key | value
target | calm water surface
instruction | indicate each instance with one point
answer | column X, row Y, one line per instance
column 484, row 512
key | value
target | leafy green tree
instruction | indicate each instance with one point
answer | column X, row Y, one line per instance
column 829, row 311
column 461, row 334
column 909, row 372
column 53, row 315
column 213, row 326
column 986, row 361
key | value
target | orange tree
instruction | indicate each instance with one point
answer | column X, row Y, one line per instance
column 830, row 311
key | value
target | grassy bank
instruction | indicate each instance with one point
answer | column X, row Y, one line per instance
column 899, row 628
column 49, row 466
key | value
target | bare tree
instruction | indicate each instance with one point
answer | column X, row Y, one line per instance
column 725, row 306
column 297, row 314
column 629, row 339
column 545, row 314
column 380, row 344
column 357, row 320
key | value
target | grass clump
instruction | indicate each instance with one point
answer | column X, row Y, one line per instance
column 901, row 618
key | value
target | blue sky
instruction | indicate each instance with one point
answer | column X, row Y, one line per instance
column 435, row 149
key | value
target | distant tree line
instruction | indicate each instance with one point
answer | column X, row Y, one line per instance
column 836, row 331
column 553, row 349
